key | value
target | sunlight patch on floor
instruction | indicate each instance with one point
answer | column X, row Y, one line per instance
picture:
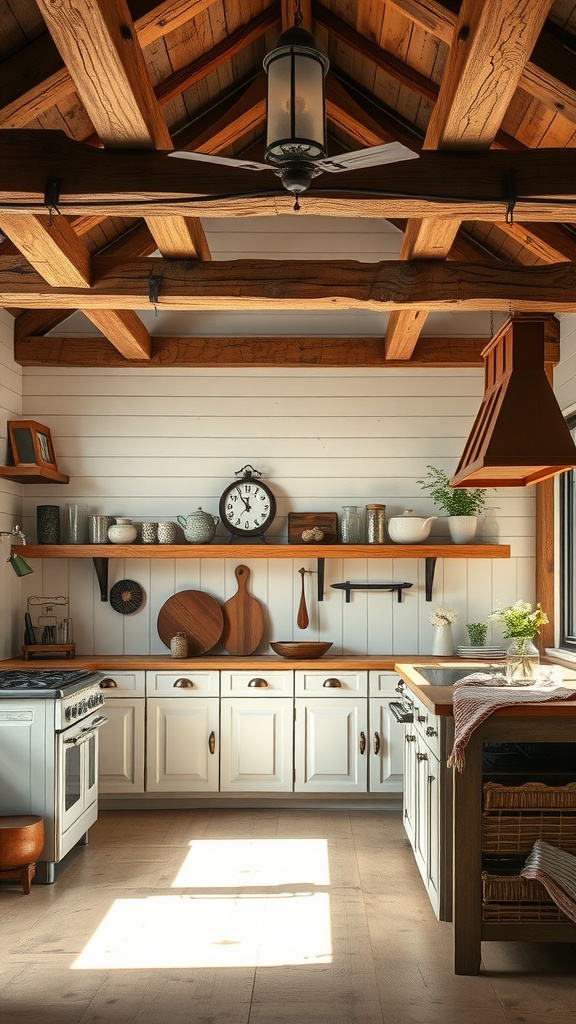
column 242, row 924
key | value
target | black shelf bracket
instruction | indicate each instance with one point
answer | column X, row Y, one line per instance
column 101, row 567
column 320, row 581
column 430, row 569
column 348, row 587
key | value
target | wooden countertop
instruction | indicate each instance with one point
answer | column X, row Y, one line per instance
column 439, row 699
column 163, row 662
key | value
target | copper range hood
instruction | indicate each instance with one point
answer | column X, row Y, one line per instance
column 519, row 436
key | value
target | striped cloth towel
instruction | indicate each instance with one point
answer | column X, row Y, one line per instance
column 476, row 696
column 556, row 870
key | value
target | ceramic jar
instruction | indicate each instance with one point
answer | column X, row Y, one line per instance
column 149, row 533
column 48, row 524
column 167, row 533
column 199, row 527
column 122, row 532
column 179, row 646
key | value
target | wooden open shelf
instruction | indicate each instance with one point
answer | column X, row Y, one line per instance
column 100, row 553
column 33, row 475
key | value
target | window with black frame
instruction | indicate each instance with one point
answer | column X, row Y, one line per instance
column 568, row 553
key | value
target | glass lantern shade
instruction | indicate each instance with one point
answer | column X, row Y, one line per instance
column 295, row 114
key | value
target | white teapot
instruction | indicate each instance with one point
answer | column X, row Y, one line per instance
column 409, row 529
column 199, row 527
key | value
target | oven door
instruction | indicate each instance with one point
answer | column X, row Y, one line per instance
column 77, row 781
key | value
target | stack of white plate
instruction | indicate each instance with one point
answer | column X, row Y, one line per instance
column 482, row 653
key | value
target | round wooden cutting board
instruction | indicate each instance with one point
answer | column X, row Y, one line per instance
column 194, row 613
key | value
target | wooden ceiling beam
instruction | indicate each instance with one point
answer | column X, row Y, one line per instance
column 296, row 284
column 213, row 131
column 477, row 86
column 52, row 247
column 227, row 352
column 49, row 81
column 124, row 329
column 550, row 74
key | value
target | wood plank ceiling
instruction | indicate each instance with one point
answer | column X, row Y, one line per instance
column 485, row 91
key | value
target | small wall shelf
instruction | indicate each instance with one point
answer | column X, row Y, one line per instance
column 349, row 587
column 100, row 553
column 33, row 475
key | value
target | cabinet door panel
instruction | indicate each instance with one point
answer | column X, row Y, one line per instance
column 121, row 747
column 122, row 683
column 328, row 740
column 386, row 748
column 181, row 756
column 257, row 748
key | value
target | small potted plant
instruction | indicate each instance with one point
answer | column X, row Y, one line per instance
column 477, row 633
column 462, row 504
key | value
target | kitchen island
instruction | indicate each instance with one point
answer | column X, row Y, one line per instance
column 539, row 723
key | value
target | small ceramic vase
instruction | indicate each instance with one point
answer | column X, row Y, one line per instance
column 48, row 524
column 443, row 645
column 122, row 532
column 179, row 646
column 462, row 529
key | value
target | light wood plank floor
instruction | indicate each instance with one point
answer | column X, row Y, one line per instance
column 256, row 917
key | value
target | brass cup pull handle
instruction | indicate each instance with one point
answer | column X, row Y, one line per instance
column 212, row 742
column 183, row 684
column 332, row 682
column 258, row 681
column 410, row 737
column 108, row 684
column 362, row 743
column 376, row 742
column 431, row 731
column 422, row 757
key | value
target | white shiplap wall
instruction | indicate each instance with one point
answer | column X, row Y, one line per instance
column 152, row 444
column 10, row 493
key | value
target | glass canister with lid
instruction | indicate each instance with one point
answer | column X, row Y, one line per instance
column 375, row 524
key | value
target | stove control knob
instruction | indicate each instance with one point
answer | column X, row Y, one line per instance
column 68, row 714
column 73, row 711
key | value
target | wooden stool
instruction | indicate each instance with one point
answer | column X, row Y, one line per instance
column 21, row 842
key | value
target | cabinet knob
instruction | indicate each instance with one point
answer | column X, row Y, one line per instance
column 332, row 682
column 376, row 742
column 431, row 731
column 183, row 684
column 362, row 742
column 422, row 757
column 212, row 742
column 257, row 681
column 410, row 737
column 421, row 718
column 108, row 684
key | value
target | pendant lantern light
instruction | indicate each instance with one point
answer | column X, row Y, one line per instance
column 296, row 108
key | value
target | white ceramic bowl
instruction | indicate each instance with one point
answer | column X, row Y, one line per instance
column 409, row 529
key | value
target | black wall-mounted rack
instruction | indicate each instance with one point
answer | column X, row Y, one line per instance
column 349, row 587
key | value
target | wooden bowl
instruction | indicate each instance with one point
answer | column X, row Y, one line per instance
column 301, row 648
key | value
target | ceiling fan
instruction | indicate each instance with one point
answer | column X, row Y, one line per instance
column 296, row 147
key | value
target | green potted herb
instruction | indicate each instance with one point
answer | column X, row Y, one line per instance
column 477, row 633
column 461, row 504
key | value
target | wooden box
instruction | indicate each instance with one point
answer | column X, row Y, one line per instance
column 299, row 522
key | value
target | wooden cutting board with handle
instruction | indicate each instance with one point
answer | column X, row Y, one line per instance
column 243, row 618
column 192, row 612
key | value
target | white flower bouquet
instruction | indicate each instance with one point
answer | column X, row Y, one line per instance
column 443, row 616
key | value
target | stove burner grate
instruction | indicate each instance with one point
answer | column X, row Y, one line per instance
column 41, row 679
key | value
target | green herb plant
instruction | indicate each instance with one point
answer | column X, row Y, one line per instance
column 477, row 633
column 455, row 501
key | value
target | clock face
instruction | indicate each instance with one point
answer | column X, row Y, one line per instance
column 247, row 507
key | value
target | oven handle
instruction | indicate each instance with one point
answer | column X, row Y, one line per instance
column 87, row 733
column 400, row 712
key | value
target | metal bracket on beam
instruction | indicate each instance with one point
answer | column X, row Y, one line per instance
column 430, row 569
column 101, row 567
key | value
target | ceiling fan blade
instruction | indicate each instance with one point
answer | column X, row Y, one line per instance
column 389, row 153
column 246, row 165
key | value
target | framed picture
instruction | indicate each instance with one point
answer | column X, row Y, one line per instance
column 31, row 444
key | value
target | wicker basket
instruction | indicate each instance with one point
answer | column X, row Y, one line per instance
column 510, row 898
column 506, row 833
column 534, row 796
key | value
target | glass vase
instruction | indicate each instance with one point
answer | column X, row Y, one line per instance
column 522, row 662
column 350, row 525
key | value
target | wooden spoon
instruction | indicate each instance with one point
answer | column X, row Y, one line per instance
column 302, row 617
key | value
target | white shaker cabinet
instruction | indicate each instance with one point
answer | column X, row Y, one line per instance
column 182, row 744
column 330, row 745
column 386, row 759
column 256, row 744
column 121, row 745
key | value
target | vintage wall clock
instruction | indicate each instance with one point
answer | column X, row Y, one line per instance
column 247, row 506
